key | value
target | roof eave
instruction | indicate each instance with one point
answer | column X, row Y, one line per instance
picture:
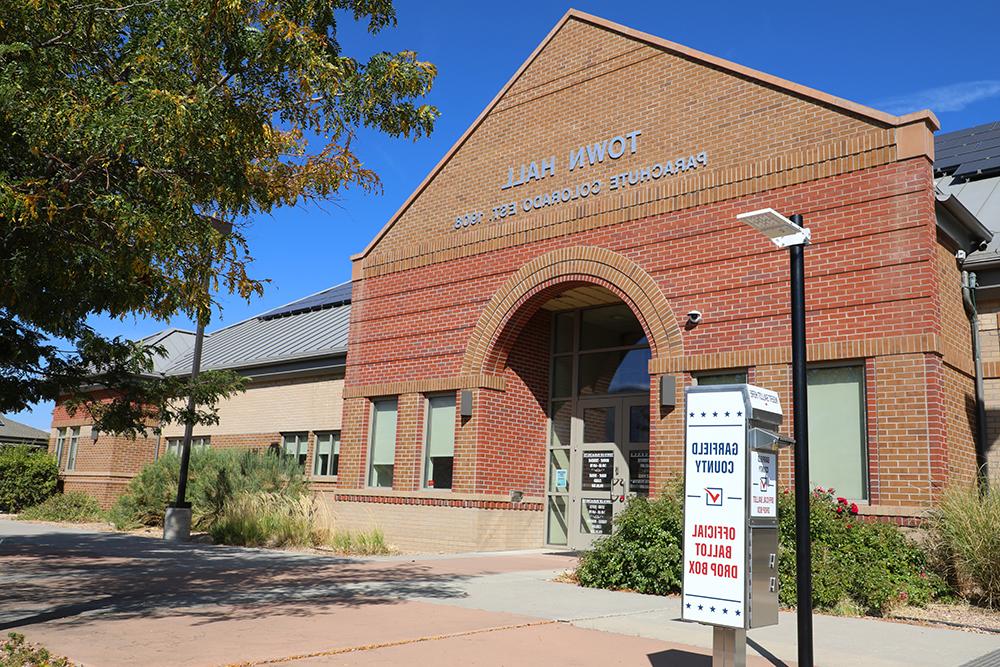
column 971, row 234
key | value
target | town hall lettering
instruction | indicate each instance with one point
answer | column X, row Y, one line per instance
column 578, row 159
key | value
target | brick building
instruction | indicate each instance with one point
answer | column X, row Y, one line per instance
column 546, row 267
column 510, row 325
column 294, row 358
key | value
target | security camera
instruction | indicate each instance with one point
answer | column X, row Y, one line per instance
column 982, row 246
column 694, row 317
column 960, row 256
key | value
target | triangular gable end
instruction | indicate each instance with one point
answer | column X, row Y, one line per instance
column 595, row 99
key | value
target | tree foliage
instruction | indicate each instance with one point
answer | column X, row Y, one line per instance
column 135, row 133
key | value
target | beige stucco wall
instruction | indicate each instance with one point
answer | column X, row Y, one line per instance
column 285, row 405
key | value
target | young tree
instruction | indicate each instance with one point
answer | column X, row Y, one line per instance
column 133, row 133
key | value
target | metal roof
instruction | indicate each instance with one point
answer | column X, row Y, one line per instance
column 12, row 430
column 969, row 153
column 308, row 328
column 175, row 343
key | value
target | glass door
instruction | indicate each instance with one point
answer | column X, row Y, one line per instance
column 635, row 444
column 598, row 471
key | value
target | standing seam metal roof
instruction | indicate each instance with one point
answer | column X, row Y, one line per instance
column 302, row 329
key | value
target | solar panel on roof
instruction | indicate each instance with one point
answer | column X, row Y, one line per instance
column 335, row 296
column 975, row 167
column 969, row 152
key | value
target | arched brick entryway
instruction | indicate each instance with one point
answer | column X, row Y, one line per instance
column 523, row 293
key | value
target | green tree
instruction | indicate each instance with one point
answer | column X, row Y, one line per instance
column 135, row 131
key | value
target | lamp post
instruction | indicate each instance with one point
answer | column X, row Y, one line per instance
column 789, row 233
column 177, row 517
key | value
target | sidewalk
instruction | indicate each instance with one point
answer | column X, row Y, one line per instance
column 109, row 599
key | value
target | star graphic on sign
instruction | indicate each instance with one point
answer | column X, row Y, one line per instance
column 727, row 413
column 702, row 414
column 688, row 605
column 737, row 612
column 700, row 607
column 692, row 414
column 725, row 611
column 711, row 608
column 715, row 414
column 739, row 414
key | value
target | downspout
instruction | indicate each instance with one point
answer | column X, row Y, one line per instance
column 969, row 301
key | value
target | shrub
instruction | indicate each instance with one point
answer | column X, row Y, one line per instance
column 858, row 567
column 266, row 520
column 215, row 477
column 870, row 567
column 14, row 652
column 73, row 506
column 360, row 543
column 965, row 539
column 28, row 476
column 643, row 553
column 280, row 520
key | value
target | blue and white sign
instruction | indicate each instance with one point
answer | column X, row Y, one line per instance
column 715, row 524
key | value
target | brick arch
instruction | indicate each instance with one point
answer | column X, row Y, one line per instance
column 533, row 284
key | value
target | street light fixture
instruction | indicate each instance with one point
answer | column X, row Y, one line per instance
column 789, row 233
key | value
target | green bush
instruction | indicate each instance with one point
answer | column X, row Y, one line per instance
column 643, row 553
column 283, row 520
column 73, row 506
column 266, row 520
column 858, row 567
column 870, row 567
column 14, row 652
column 215, row 477
column 28, row 475
column 965, row 538
column 360, row 543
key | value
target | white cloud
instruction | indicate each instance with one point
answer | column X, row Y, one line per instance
column 954, row 97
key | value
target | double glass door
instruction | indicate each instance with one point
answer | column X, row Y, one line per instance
column 608, row 463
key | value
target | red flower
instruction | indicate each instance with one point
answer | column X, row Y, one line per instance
column 854, row 508
column 819, row 489
column 842, row 501
column 840, row 509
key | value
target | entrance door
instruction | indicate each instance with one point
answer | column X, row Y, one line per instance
column 609, row 464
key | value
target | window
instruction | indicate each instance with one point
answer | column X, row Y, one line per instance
column 838, row 451
column 60, row 443
column 296, row 446
column 326, row 460
column 74, row 440
column 382, row 456
column 440, row 446
column 731, row 377
column 197, row 442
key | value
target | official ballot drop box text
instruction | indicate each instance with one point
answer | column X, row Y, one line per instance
column 731, row 506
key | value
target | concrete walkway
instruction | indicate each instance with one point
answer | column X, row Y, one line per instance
column 109, row 599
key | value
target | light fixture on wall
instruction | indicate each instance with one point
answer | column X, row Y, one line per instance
column 465, row 407
column 668, row 391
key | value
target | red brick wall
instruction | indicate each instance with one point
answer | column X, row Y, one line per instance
column 873, row 272
column 511, row 451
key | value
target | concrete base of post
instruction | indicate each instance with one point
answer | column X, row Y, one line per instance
column 729, row 647
column 177, row 524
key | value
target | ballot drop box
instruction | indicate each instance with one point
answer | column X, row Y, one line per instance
column 731, row 506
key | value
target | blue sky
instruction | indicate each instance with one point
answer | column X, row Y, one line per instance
column 894, row 55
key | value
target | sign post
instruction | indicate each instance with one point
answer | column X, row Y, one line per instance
column 730, row 576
